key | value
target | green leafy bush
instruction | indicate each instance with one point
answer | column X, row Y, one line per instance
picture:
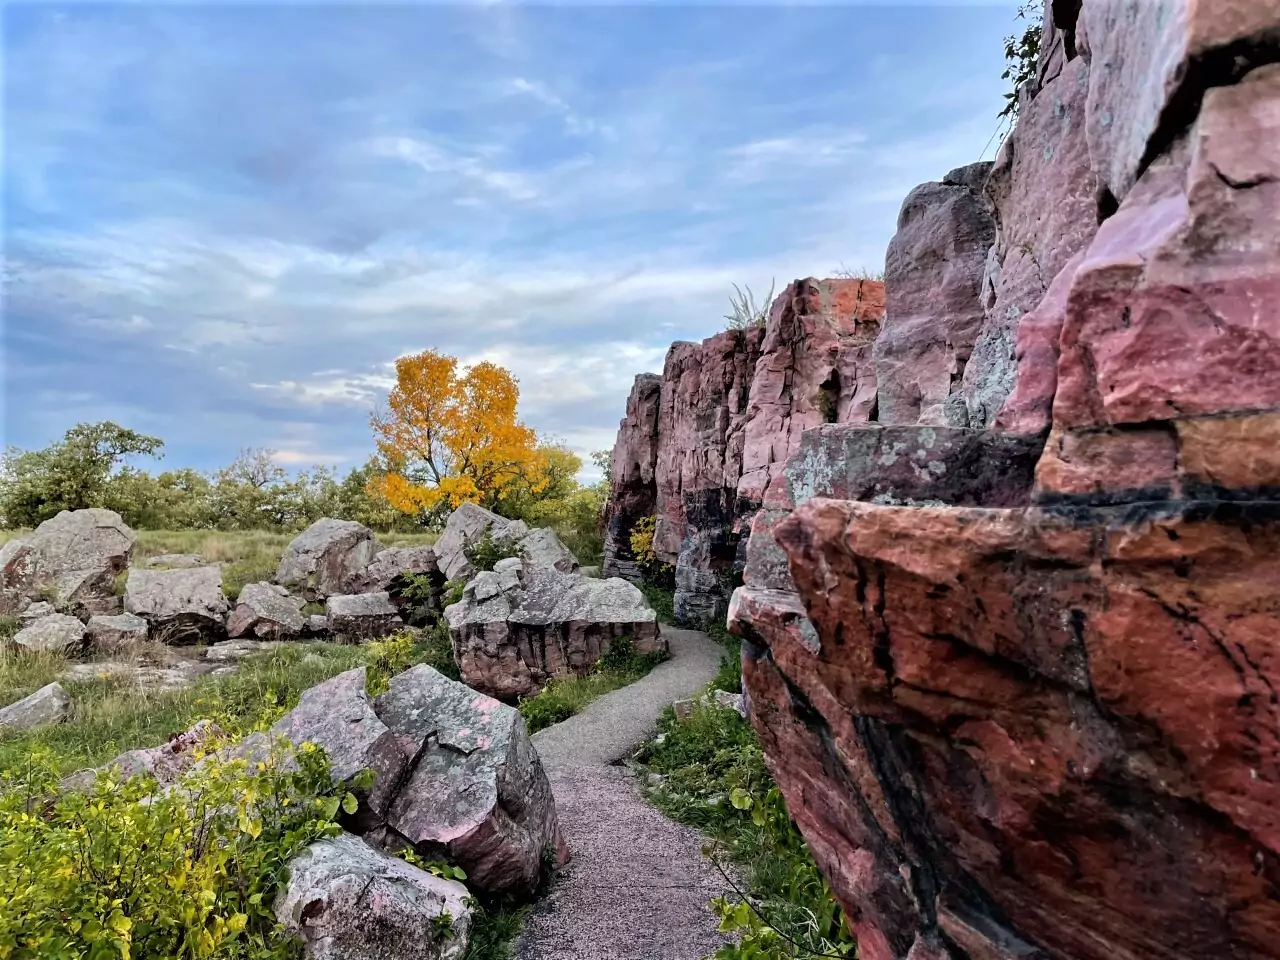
column 1022, row 56
column 714, row 778
column 126, row 871
column 488, row 550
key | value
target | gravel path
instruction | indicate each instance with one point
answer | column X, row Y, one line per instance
column 637, row 886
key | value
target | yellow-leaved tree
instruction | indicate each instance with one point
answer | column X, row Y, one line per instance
column 450, row 435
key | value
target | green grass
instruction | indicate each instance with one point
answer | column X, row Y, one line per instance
column 563, row 697
column 110, row 714
column 714, row 778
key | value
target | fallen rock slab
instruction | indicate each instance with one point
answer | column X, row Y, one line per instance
column 37, row 611
column 266, row 611
column 180, row 606
column 176, row 561
column 516, row 628
column 346, row 901
column 364, row 616
column 49, row 704
column 118, row 634
column 165, row 763
column 321, row 558
column 57, row 633
column 477, row 789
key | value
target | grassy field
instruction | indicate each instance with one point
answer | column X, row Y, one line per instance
column 247, row 556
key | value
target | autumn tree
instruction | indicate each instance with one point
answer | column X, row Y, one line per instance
column 450, row 435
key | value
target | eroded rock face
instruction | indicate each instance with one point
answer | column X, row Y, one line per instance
column 70, row 559
column 701, row 444
column 518, row 625
column 323, row 557
column 346, row 901
column 266, row 611
column 180, row 606
column 477, row 791
column 1019, row 692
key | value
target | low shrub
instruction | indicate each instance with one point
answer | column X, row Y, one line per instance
column 488, row 550
column 714, row 778
column 126, row 871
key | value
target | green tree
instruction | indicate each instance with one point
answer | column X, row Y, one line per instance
column 71, row 474
column 1022, row 56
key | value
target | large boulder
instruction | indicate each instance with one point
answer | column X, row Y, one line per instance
column 119, row 634
column 542, row 548
column 339, row 717
column 49, row 704
column 517, row 626
column 69, row 559
column 321, row 558
column 354, row 618
column 477, row 790
column 58, row 633
column 346, row 901
column 181, row 606
column 266, row 611
column 464, row 528
column 389, row 568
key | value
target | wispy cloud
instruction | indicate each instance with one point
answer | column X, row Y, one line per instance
column 224, row 223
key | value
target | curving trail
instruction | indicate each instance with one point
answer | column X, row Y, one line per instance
column 637, row 886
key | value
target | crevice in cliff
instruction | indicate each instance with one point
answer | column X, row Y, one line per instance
column 1220, row 67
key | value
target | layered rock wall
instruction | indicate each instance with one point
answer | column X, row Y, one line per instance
column 701, row 443
column 1013, row 652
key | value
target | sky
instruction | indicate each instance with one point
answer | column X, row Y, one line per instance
column 223, row 223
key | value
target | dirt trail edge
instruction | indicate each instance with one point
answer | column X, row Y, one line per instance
column 637, row 887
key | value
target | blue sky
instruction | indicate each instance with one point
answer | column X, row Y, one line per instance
column 223, row 223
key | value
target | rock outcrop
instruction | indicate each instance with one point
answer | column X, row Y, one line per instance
column 519, row 625
column 700, row 444
column 346, row 901
column 454, row 773
column 1011, row 651
column 322, row 558
column 71, row 560
column 180, row 606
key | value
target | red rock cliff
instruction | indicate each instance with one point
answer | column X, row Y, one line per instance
column 700, row 444
column 1014, row 651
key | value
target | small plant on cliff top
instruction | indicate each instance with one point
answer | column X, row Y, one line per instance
column 488, row 550
column 1021, row 54
column 745, row 312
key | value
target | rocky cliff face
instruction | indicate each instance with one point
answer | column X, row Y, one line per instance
column 701, row 443
column 1013, row 650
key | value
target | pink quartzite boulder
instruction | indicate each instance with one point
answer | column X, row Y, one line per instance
column 476, row 791
column 320, row 560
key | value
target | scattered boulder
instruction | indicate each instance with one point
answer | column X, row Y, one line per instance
column 721, row 699
column 36, row 611
column 477, row 789
column 516, row 627
column 321, row 558
column 317, row 625
column 144, row 677
column 118, row 634
column 388, row 569
column 17, row 572
column 176, row 561
column 57, row 633
column 68, row 559
column 166, row 762
column 180, row 606
column 464, row 528
column 346, row 901
column 266, row 611
column 49, row 704
column 229, row 651
column 361, row 616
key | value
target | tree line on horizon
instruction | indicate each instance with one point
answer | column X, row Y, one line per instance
column 448, row 435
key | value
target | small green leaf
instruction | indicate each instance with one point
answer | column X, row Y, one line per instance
column 350, row 804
